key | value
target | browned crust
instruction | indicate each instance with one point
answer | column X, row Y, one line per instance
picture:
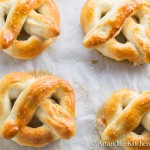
column 13, row 26
column 87, row 14
column 134, row 138
column 37, row 137
column 122, row 53
column 27, row 49
column 94, row 40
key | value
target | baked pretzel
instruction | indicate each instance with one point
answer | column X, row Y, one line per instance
column 39, row 19
column 119, row 29
column 124, row 111
column 36, row 96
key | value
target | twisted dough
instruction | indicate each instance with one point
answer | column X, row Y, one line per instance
column 130, row 18
column 34, row 96
column 38, row 18
column 123, row 112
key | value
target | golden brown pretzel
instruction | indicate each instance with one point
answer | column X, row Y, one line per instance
column 124, row 111
column 130, row 18
column 36, row 96
column 38, row 18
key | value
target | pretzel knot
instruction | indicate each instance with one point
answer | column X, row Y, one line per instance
column 119, row 29
column 27, row 27
column 124, row 111
column 50, row 98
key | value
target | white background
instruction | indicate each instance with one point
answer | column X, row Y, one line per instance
column 93, row 83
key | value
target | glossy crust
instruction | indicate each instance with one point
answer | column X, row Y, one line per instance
column 34, row 96
column 128, row 17
column 38, row 18
column 123, row 112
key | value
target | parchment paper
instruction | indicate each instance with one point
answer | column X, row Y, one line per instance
column 93, row 77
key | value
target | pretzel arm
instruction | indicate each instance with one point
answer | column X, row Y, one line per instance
column 15, row 21
column 36, row 137
column 111, row 23
column 138, row 37
column 27, row 49
column 128, row 120
column 57, row 118
column 41, row 26
column 25, row 107
column 138, row 139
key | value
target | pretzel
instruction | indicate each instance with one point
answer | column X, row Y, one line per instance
column 36, row 96
column 124, row 111
column 36, row 20
column 119, row 29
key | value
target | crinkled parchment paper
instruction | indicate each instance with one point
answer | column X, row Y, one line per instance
column 93, row 77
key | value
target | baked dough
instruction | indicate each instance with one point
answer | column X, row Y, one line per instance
column 27, row 27
column 49, row 98
column 119, row 29
column 123, row 116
